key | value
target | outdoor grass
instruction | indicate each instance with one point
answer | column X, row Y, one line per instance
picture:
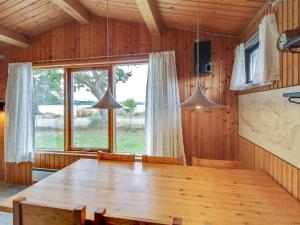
column 130, row 142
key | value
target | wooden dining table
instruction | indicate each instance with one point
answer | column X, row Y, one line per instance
column 199, row 195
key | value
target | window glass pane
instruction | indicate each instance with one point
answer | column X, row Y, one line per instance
column 131, row 81
column 90, row 126
column 49, row 109
column 253, row 57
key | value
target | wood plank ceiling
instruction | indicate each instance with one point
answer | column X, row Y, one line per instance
column 220, row 16
column 31, row 17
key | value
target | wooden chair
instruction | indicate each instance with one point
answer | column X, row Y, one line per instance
column 219, row 164
column 101, row 219
column 26, row 213
column 162, row 160
column 116, row 156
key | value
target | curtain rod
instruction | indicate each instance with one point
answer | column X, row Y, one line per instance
column 114, row 56
column 89, row 58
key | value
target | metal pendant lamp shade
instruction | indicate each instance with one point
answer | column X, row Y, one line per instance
column 199, row 100
column 107, row 102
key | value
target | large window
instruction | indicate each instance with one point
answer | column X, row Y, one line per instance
column 65, row 120
column 131, row 81
column 49, row 109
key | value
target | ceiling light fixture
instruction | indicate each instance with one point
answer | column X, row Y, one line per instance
column 108, row 101
column 198, row 99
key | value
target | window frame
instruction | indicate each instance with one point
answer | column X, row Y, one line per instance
column 251, row 46
column 113, row 89
column 51, row 149
column 68, row 107
column 69, row 111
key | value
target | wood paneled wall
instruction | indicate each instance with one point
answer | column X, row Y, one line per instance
column 21, row 173
column 210, row 134
column 18, row 173
column 58, row 160
column 2, row 163
column 288, row 17
column 252, row 156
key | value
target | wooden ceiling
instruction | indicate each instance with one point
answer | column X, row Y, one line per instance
column 220, row 16
column 31, row 17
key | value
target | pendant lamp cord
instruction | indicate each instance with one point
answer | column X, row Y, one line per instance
column 197, row 43
column 107, row 42
column 107, row 34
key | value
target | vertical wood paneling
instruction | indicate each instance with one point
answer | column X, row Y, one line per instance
column 289, row 178
column 210, row 134
column 279, row 171
column 18, row 173
column 288, row 17
column 57, row 161
column 282, row 172
column 286, row 175
column 2, row 163
column 295, row 182
column 271, row 165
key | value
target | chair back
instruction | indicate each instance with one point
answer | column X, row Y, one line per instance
column 162, row 160
column 102, row 219
column 116, row 156
column 219, row 164
column 27, row 213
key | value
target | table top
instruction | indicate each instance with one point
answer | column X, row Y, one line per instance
column 198, row 195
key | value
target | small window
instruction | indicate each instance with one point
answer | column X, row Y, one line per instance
column 251, row 52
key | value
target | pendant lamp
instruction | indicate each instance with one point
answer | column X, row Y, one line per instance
column 198, row 99
column 108, row 101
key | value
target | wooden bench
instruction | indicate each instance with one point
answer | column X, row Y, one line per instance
column 220, row 164
column 162, row 160
column 27, row 213
column 116, row 156
column 102, row 219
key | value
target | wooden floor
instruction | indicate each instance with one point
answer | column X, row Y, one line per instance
column 155, row 191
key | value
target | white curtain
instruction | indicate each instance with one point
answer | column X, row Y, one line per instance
column 238, row 78
column 19, row 117
column 163, row 135
column 267, row 65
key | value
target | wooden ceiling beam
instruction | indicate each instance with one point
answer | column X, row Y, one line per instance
column 74, row 9
column 150, row 14
column 14, row 38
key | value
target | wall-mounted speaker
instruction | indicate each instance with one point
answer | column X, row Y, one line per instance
column 204, row 64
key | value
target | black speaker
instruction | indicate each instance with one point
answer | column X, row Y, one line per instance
column 204, row 65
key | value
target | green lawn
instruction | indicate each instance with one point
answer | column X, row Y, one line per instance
column 131, row 142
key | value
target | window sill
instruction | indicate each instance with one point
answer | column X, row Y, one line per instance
column 251, row 85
